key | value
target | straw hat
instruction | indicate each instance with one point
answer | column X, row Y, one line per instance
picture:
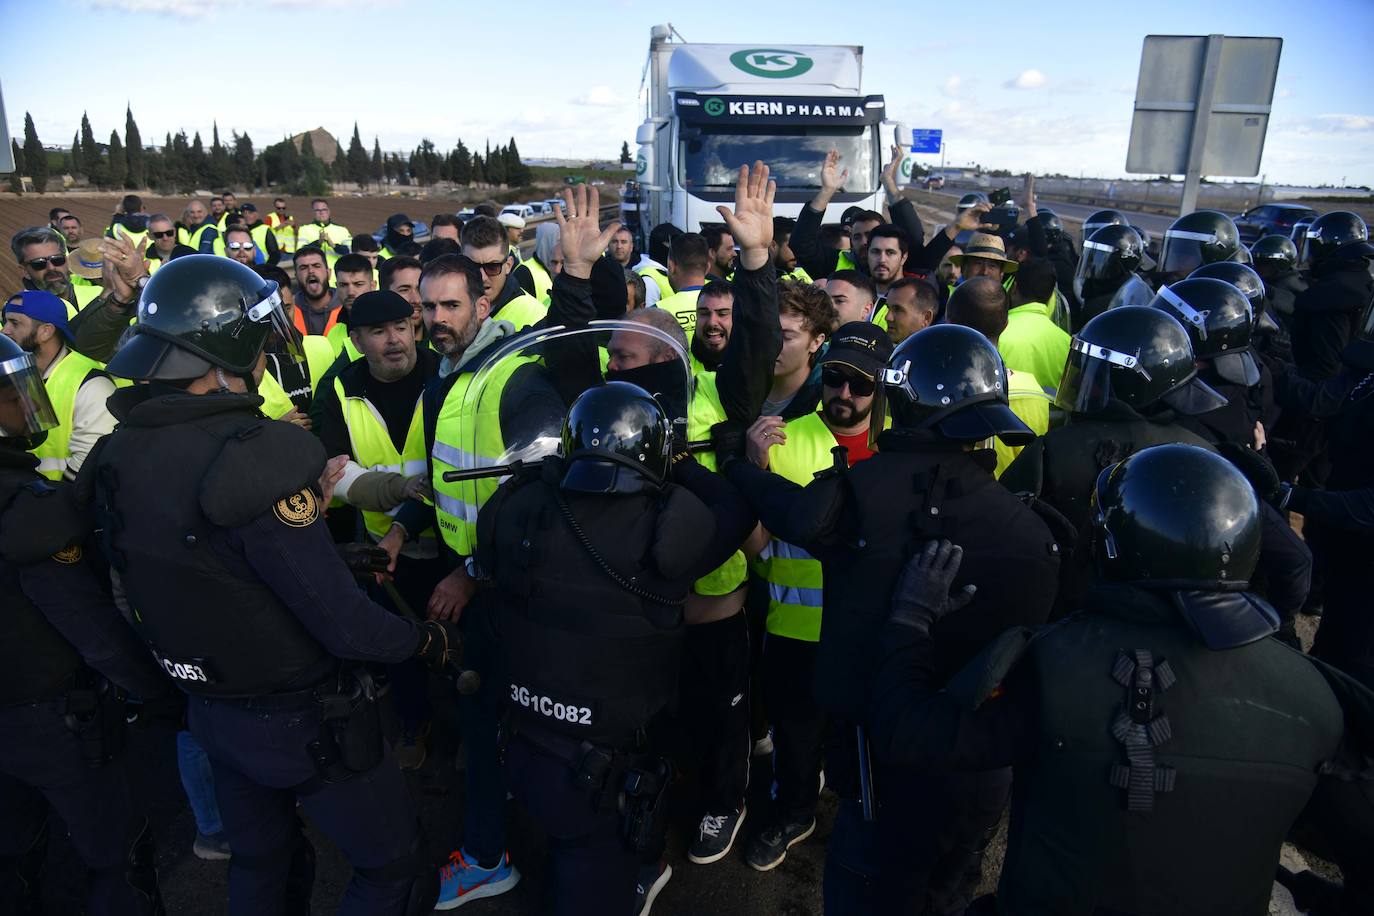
column 988, row 247
column 86, row 260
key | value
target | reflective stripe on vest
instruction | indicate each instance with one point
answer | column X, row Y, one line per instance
column 63, row 383
column 374, row 450
column 703, row 412
column 543, row 282
column 794, row 576
column 468, row 435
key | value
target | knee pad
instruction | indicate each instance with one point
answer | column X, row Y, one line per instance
column 423, row 880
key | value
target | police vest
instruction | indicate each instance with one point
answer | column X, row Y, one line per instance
column 658, row 278
column 543, row 281
column 463, row 424
column 36, row 662
column 1180, row 808
column 193, row 238
column 794, row 576
column 683, row 307
column 584, row 656
column 372, row 448
column 703, row 412
column 522, row 310
column 63, row 383
column 319, row 356
column 284, row 230
column 221, row 624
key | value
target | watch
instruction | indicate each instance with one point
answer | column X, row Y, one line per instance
column 142, row 282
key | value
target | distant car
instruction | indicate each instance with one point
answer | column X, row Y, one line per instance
column 524, row 211
column 466, row 214
column 552, row 202
column 933, row 182
column 1271, row 219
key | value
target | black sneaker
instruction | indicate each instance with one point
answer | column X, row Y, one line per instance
column 715, row 835
column 769, row 848
column 652, row 880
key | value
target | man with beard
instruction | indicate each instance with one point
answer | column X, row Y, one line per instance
column 239, row 245
column 799, row 450
column 42, row 256
column 887, row 252
column 484, row 243
column 37, row 321
column 317, row 306
column 715, row 317
column 622, row 247
column 70, row 227
column 721, row 245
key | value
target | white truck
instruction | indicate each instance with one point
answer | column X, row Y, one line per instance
column 712, row 108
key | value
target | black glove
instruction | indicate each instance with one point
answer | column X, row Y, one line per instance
column 440, row 644
column 1256, row 469
column 727, row 441
column 364, row 559
column 922, row 596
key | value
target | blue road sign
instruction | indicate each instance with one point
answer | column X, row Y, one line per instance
column 926, row 141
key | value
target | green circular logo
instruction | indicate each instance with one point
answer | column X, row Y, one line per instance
column 906, row 168
column 715, row 107
column 641, row 164
column 772, row 63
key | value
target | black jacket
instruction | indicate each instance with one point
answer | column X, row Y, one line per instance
column 1325, row 314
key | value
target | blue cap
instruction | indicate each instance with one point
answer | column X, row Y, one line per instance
column 41, row 305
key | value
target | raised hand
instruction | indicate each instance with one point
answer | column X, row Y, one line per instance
column 583, row 239
column 751, row 222
column 890, row 173
column 832, row 177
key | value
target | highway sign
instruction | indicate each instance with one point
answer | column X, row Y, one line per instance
column 926, row 141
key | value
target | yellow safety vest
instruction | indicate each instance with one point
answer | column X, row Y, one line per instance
column 463, row 424
column 333, row 234
column 659, row 278
column 1033, row 343
column 793, row 575
column 340, row 341
column 798, row 274
column 284, row 230
column 373, row 449
column 543, row 282
column 319, row 356
column 1029, row 402
column 703, row 412
column 193, row 239
column 523, row 311
column 683, row 307
column 63, row 383
column 845, row 261
column 134, row 238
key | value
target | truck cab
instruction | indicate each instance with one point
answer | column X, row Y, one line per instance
column 712, row 108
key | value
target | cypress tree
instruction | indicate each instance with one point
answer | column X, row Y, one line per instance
column 119, row 166
column 34, row 156
column 133, row 152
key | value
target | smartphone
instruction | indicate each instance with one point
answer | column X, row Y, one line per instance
column 999, row 197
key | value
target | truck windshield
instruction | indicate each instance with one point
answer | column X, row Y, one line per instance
column 710, row 160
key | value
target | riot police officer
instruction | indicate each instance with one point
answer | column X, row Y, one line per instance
column 1144, row 731
column 1324, row 315
column 1275, row 259
column 66, row 659
column 592, row 556
column 1100, row 219
column 1106, row 276
column 1194, row 239
column 212, row 517
column 945, row 389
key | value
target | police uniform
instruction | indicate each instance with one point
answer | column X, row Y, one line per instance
column 861, row 525
column 1162, row 745
column 212, row 519
column 592, row 630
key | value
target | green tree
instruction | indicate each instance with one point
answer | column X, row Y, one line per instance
column 243, row 165
column 91, row 156
column 462, row 164
column 479, row 169
column 359, row 168
column 197, row 163
column 625, row 153
column 16, row 177
column 119, row 165
column 307, row 146
column 34, row 156
column 496, row 166
column 376, row 168
column 77, row 170
column 221, row 173
column 339, row 167
column 517, row 173
column 133, row 152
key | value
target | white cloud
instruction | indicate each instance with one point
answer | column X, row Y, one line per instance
column 196, row 9
column 1028, row 79
column 602, row 97
column 952, row 85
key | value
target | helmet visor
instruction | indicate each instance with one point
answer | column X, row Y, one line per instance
column 25, row 409
column 1134, row 291
column 1096, row 262
column 1181, row 252
column 270, row 310
column 1087, row 383
column 1194, row 398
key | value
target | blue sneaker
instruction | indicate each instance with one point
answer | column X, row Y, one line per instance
column 462, row 880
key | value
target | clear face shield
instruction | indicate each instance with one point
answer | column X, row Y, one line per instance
column 25, row 409
column 1087, row 383
column 1181, row 252
column 1097, row 270
column 271, row 311
column 1134, row 291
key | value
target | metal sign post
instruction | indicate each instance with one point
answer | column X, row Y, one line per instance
column 6, row 150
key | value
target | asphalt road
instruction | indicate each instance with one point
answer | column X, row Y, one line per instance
column 1153, row 223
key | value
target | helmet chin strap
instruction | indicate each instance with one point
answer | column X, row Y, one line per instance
column 223, row 382
column 250, row 383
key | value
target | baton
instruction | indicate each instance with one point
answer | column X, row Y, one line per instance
column 501, row 470
column 865, row 773
column 467, row 680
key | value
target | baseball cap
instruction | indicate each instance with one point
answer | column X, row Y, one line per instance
column 41, row 305
column 860, row 345
column 248, row 205
column 377, row 307
column 510, row 220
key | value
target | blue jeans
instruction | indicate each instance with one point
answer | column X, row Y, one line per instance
column 199, row 783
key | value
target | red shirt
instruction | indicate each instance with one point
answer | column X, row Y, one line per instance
column 857, row 446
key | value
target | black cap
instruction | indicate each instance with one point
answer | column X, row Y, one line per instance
column 860, row 345
column 248, row 205
column 377, row 307
column 850, row 214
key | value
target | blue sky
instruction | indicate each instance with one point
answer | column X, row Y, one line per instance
column 1044, row 86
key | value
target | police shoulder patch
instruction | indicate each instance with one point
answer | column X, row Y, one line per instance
column 68, row 555
column 297, row 510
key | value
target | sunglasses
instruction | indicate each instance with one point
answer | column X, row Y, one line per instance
column 163, row 235
column 493, row 268
column 235, row 246
column 837, row 378
column 56, row 260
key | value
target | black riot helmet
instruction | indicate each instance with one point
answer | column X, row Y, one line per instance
column 1246, row 279
column 1176, row 516
column 26, row 413
column 1138, row 355
column 972, row 199
column 1201, row 237
column 951, row 379
column 616, row 439
column 1339, row 232
column 1299, row 236
column 1219, row 321
column 1053, row 225
column 1183, row 520
column 201, row 312
column 1111, row 255
column 1101, row 218
column 1277, row 250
